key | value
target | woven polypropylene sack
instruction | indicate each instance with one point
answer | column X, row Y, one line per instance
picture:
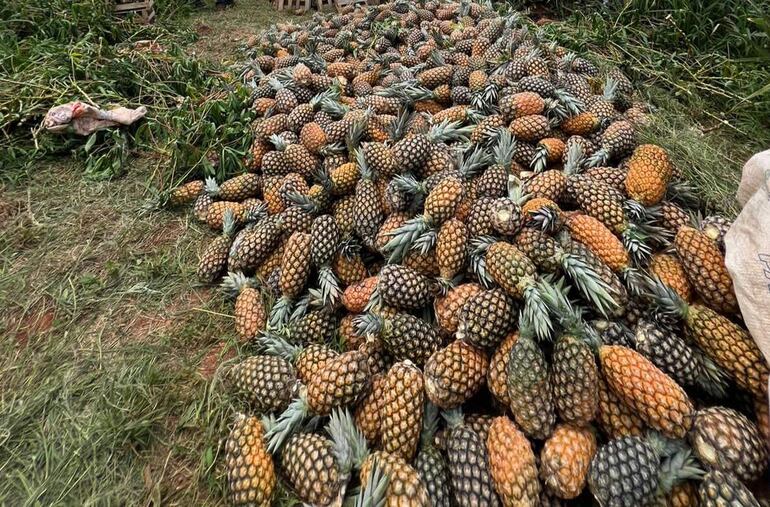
column 747, row 245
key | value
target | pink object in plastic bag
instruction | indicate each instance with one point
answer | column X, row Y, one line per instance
column 84, row 119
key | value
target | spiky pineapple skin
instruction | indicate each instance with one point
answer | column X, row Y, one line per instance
column 310, row 467
column 512, row 464
column 565, row 460
column 340, row 382
column 727, row 440
column 730, row 346
column 251, row 473
column 249, row 313
column 454, row 374
column 720, row 489
column 468, row 460
column 447, row 308
column 706, row 270
column 624, row 472
column 401, row 410
column 575, row 379
column 660, row 401
column 486, row 318
column 267, row 381
column 614, row 417
column 529, row 389
column 405, row 489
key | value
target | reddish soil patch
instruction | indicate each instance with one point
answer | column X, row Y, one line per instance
column 213, row 358
column 34, row 322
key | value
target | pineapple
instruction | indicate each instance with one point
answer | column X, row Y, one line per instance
column 307, row 360
column 529, row 388
column 251, row 476
column 649, row 172
column 512, row 464
column 401, row 410
column 451, row 249
column 405, row 336
column 249, row 250
column 295, row 268
column 517, row 276
column 670, row 271
column 726, row 440
column 267, row 382
column 565, row 460
column 368, row 414
column 309, row 464
column 616, row 141
column 705, row 268
column 215, row 213
column 447, row 308
column 497, row 376
column 615, row 418
column 530, row 128
column 325, row 238
column 727, row 344
column 486, row 318
column 236, row 189
column 368, row 210
column 521, row 104
column 454, row 374
column 403, row 287
column 186, row 193
column 404, row 487
column 685, row 364
column 720, row 489
column 430, row 462
column 636, row 471
column 356, row 296
column 469, row 472
column 249, row 311
column 213, row 261
column 656, row 397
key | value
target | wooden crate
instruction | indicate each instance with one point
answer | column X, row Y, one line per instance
column 144, row 9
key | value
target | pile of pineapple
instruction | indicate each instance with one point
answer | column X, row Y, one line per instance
column 466, row 282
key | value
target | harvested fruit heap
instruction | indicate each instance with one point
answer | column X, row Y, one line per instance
column 465, row 282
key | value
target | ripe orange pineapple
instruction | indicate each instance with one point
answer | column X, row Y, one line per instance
column 565, row 460
column 512, row 464
column 658, row 400
column 670, row 271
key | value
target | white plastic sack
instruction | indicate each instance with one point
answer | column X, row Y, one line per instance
column 747, row 245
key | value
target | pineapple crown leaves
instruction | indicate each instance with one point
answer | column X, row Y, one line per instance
column 666, row 299
column 228, row 223
column 477, row 259
column 279, row 142
column 588, row 282
column 453, row 417
column 330, row 286
column 473, row 162
column 356, row 133
column 425, row 242
column 374, row 492
column 279, row 313
column 610, row 89
column 333, row 107
column 333, row 93
column 575, row 157
column 566, row 61
column 303, row 202
column 570, row 317
column 350, row 448
column 366, row 172
column 677, row 468
column 375, row 301
column 408, row 184
column 402, row 239
column 429, row 424
column 636, row 280
column 398, row 128
column 571, row 104
column 255, row 213
column 449, row 131
column 504, row 147
column 276, row 345
column 211, row 187
column 711, row 378
column 683, row 193
column 288, row 422
column 436, row 59
column 546, row 219
column 536, row 311
column 234, row 283
column 368, row 324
